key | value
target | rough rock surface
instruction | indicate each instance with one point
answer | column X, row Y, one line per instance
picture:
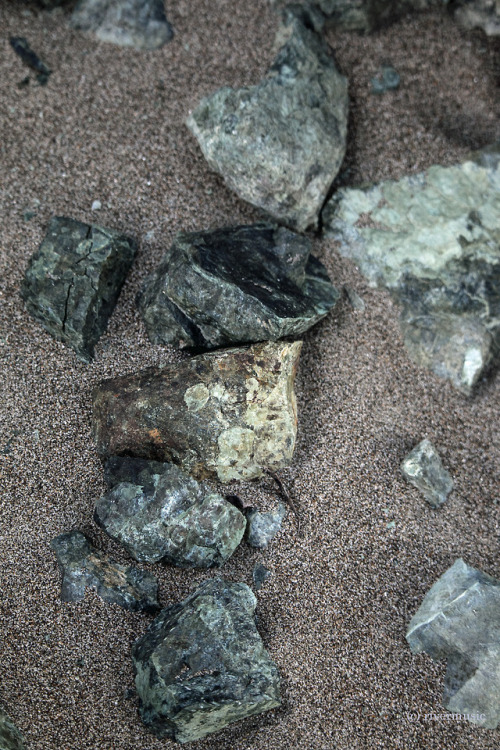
column 159, row 513
column 10, row 737
column 482, row 14
column 264, row 525
column 130, row 23
column 433, row 240
column 280, row 144
column 73, row 281
column 82, row 565
column 260, row 574
column 235, row 285
column 202, row 664
column 422, row 467
column 459, row 620
column 228, row 414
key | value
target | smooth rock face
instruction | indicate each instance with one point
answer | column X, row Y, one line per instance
column 459, row 620
column 422, row 467
column 159, row 513
column 482, row 14
column 82, row 565
column 10, row 737
column 73, row 281
column 280, row 144
column 202, row 665
column 433, row 240
column 235, row 285
column 228, row 414
column 263, row 526
column 130, row 23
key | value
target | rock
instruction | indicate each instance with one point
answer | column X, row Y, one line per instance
column 82, row 565
column 433, row 240
column 202, row 664
column 235, row 285
column 422, row 467
column 228, row 414
column 263, row 526
column 355, row 300
column 10, row 737
column 73, row 281
column 160, row 514
column 387, row 80
column 280, row 144
column 22, row 48
column 459, row 620
column 482, row 14
column 129, row 23
column 260, row 574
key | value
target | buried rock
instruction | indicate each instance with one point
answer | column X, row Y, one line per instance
column 73, row 281
column 129, row 23
column 160, row 514
column 202, row 664
column 422, row 467
column 459, row 620
column 279, row 145
column 235, row 285
column 82, row 565
column 264, row 525
column 10, row 736
column 228, row 414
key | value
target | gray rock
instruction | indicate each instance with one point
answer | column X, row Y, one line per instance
column 260, row 574
column 280, row 144
column 235, row 285
column 433, row 240
column 422, row 467
column 10, row 737
column 264, row 525
column 202, row 664
column 459, row 620
column 482, row 14
column 160, row 514
column 355, row 300
column 73, row 281
column 387, row 79
column 82, row 565
column 229, row 414
column 129, row 23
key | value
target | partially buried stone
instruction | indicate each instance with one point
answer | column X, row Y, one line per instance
column 424, row 470
column 129, row 23
column 10, row 737
column 235, row 285
column 433, row 240
column 280, row 144
column 83, row 566
column 264, row 525
column 387, row 80
column 459, row 620
column 160, row 514
column 482, row 14
column 73, row 281
column 229, row 414
column 202, row 664
column 260, row 574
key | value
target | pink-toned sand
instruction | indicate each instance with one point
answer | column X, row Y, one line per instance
column 109, row 126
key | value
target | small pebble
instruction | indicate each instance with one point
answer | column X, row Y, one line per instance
column 96, row 206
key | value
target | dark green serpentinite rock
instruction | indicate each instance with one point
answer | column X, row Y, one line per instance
column 10, row 737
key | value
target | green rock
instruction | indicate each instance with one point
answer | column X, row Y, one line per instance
column 202, row 664
column 433, row 240
column 73, row 281
column 459, row 620
column 279, row 144
column 228, row 414
column 160, row 514
column 235, row 285
column 422, row 467
column 10, row 737
column 129, row 23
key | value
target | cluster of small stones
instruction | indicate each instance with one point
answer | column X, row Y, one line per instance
column 231, row 414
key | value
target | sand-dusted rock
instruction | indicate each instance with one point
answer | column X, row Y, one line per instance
column 160, row 514
column 228, row 414
column 130, row 23
column 423, row 468
column 459, row 620
column 82, row 565
column 433, row 240
column 10, row 736
column 235, row 285
column 73, row 281
column 264, row 525
column 202, row 664
column 280, row 144
column 260, row 574
column 479, row 14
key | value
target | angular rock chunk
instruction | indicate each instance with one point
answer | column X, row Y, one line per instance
column 433, row 240
column 228, row 414
column 82, row 565
column 422, row 467
column 263, row 526
column 202, row 664
column 260, row 574
column 459, row 620
column 10, row 737
column 73, row 281
column 129, row 23
column 280, row 144
column 482, row 14
column 235, row 285
column 159, row 513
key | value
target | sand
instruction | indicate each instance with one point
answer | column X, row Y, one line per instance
column 109, row 126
